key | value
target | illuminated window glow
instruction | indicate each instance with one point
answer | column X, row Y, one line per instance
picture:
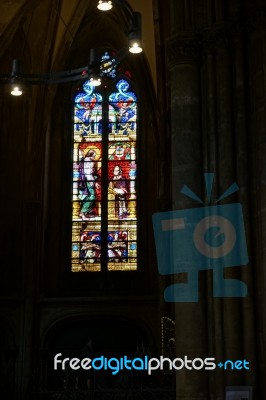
column 104, row 198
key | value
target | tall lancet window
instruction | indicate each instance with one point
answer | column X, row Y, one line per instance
column 104, row 196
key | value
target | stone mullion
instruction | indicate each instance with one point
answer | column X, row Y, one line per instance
column 257, row 59
column 186, row 158
column 35, row 126
column 242, row 168
column 224, row 123
column 232, row 316
column 210, row 122
column 209, row 139
column 209, row 119
column 29, row 342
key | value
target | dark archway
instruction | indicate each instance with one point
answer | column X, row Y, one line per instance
column 94, row 338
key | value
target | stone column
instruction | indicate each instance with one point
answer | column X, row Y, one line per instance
column 256, row 58
column 225, row 151
column 187, row 168
column 209, row 133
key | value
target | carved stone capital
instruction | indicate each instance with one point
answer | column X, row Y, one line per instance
column 189, row 47
column 185, row 48
column 182, row 49
column 256, row 18
column 217, row 37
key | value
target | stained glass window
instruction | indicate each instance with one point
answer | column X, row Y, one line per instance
column 104, row 199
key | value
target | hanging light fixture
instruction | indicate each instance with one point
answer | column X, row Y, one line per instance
column 96, row 67
column 135, row 34
column 104, row 5
column 135, row 25
column 16, row 89
column 134, row 47
column 94, row 81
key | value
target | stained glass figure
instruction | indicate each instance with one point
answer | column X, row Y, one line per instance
column 104, row 199
column 123, row 103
